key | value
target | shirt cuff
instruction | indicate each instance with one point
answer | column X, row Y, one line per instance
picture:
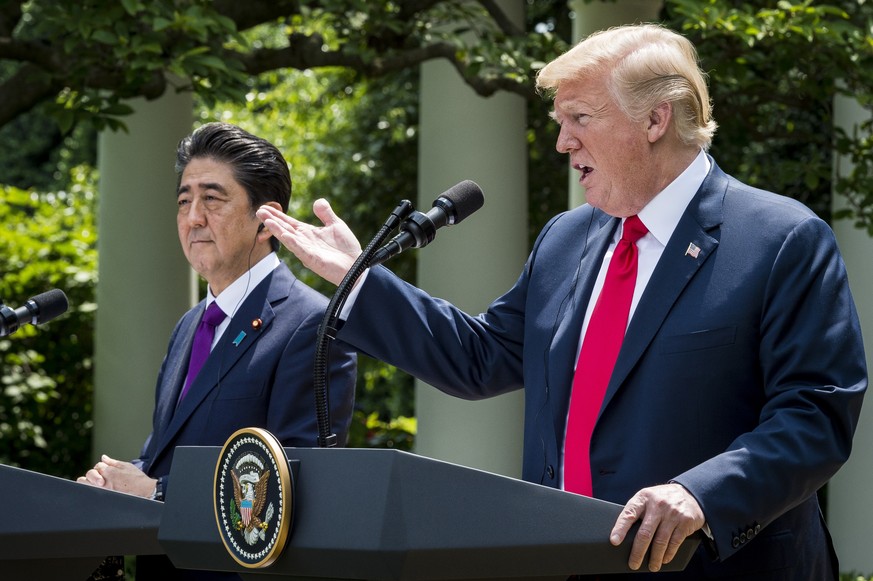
column 353, row 295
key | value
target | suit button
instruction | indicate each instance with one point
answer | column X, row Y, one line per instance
column 757, row 529
column 735, row 542
column 750, row 534
column 550, row 471
column 742, row 538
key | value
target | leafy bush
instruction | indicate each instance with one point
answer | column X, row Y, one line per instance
column 49, row 241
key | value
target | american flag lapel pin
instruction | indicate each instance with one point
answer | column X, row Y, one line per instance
column 693, row 250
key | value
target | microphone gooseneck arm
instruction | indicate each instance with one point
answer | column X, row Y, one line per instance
column 419, row 230
column 327, row 329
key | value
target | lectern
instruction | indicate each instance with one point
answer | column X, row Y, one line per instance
column 390, row 515
column 55, row 530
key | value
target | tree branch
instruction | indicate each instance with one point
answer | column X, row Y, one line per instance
column 253, row 12
column 410, row 8
column 500, row 18
column 28, row 51
column 305, row 52
column 46, row 68
column 10, row 15
column 24, row 90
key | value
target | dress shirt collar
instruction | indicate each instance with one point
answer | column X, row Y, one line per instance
column 662, row 214
column 233, row 296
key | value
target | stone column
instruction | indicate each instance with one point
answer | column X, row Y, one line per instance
column 464, row 136
column 849, row 515
column 144, row 280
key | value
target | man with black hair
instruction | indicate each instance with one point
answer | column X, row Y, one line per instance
column 251, row 364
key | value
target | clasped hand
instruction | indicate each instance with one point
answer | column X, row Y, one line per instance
column 119, row 475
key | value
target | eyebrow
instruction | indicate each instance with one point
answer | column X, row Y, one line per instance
column 579, row 105
column 203, row 186
column 568, row 108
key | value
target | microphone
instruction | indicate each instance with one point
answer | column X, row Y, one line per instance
column 419, row 229
column 39, row 309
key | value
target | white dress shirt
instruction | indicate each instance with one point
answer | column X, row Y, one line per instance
column 660, row 216
column 233, row 296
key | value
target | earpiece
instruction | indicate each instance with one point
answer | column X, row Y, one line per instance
column 260, row 227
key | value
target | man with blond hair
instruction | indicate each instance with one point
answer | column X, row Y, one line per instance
column 688, row 345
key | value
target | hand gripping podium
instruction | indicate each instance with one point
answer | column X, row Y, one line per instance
column 391, row 515
column 55, row 529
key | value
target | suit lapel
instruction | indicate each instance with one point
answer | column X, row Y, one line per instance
column 174, row 373
column 565, row 342
column 699, row 226
column 236, row 340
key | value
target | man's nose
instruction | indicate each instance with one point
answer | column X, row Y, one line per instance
column 566, row 142
column 196, row 214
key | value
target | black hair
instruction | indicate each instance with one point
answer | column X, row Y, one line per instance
column 257, row 164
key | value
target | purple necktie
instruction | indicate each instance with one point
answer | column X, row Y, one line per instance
column 202, row 343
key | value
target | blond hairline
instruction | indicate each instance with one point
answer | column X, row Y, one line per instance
column 648, row 65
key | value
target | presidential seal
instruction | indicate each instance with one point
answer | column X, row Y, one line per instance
column 253, row 497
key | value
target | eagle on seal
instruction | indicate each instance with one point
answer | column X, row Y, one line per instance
column 250, row 495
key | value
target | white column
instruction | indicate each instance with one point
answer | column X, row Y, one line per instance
column 849, row 515
column 464, row 136
column 144, row 280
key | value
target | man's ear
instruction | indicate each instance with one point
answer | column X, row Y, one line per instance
column 659, row 121
column 262, row 228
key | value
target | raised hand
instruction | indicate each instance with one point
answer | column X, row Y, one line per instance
column 329, row 250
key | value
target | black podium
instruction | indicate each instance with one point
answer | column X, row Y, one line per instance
column 391, row 515
column 56, row 530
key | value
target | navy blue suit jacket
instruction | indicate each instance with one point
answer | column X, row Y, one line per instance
column 264, row 379
column 741, row 375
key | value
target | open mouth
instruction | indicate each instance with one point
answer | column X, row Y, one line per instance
column 583, row 170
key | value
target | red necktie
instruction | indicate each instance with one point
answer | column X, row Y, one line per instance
column 202, row 343
column 598, row 354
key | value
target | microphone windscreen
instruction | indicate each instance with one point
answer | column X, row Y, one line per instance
column 466, row 197
column 51, row 304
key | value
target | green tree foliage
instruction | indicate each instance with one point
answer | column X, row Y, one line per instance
column 775, row 69
column 88, row 56
column 548, row 169
column 48, row 240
